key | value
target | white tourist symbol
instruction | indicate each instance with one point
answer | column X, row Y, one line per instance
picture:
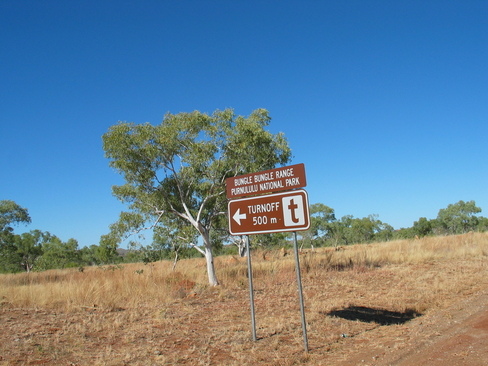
column 293, row 212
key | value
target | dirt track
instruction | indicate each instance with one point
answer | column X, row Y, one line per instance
column 453, row 337
column 464, row 342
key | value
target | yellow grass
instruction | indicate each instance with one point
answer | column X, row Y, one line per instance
column 129, row 285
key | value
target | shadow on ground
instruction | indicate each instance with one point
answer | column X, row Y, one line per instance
column 370, row 315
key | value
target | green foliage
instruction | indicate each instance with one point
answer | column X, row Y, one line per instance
column 58, row 254
column 88, row 255
column 9, row 258
column 385, row 232
column 228, row 250
column 10, row 214
column 106, row 252
column 326, row 230
column 423, row 227
column 363, row 230
column 151, row 253
column 321, row 229
column 459, row 218
column 29, row 247
column 404, row 233
column 482, row 224
column 272, row 240
column 356, row 230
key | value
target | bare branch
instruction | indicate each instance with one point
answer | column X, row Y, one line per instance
column 197, row 248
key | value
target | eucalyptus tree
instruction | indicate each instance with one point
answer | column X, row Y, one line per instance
column 10, row 214
column 459, row 218
column 422, row 227
column 482, row 224
column 29, row 247
column 58, row 254
column 322, row 218
column 174, row 237
column 176, row 171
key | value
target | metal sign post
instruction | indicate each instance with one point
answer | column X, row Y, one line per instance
column 300, row 294
column 251, row 289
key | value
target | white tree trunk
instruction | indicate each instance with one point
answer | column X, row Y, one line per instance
column 212, row 276
column 242, row 251
column 241, row 246
column 175, row 261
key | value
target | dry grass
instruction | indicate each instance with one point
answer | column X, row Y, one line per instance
column 146, row 314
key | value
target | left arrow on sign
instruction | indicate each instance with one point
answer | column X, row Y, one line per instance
column 238, row 216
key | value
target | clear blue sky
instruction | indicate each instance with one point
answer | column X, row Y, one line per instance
column 385, row 102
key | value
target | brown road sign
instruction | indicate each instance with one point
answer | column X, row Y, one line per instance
column 273, row 180
column 272, row 213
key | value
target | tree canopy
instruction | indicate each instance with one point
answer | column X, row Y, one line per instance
column 12, row 214
column 175, row 172
column 459, row 217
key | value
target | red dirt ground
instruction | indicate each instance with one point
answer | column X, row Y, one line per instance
column 451, row 337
